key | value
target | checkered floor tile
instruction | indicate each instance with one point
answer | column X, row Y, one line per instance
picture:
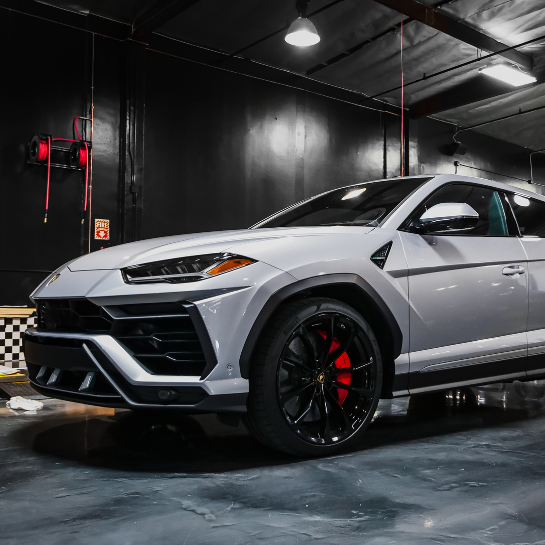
column 11, row 334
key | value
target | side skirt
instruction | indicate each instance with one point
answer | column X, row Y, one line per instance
column 535, row 365
column 468, row 375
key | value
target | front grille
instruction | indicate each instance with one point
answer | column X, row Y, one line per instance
column 161, row 336
column 72, row 315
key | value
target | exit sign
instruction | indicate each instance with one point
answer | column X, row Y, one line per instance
column 102, row 229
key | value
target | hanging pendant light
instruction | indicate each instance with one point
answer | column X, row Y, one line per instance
column 302, row 33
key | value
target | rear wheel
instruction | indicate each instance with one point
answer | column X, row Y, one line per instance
column 315, row 380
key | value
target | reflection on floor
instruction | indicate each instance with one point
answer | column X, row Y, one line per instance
column 462, row 467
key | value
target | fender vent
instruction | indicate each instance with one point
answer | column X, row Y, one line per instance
column 381, row 255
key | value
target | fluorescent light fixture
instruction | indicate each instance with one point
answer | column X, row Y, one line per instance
column 354, row 193
column 521, row 201
column 508, row 74
column 302, row 33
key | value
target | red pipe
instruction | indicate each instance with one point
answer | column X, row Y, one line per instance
column 76, row 128
column 48, row 176
column 402, row 110
column 86, row 174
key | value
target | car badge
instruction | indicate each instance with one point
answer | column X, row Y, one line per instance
column 53, row 279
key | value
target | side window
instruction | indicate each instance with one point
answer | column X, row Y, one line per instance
column 530, row 215
column 495, row 219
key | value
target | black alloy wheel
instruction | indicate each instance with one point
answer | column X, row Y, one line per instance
column 316, row 382
column 326, row 378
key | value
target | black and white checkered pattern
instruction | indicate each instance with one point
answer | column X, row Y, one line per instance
column 11, row 334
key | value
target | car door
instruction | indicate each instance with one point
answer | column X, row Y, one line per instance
column 467, row 293
column 530, row 216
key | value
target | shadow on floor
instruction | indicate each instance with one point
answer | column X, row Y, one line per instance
column 166, row 442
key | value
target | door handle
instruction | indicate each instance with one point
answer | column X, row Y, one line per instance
column 513, row 270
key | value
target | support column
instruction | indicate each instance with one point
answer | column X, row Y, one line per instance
column 131, row 164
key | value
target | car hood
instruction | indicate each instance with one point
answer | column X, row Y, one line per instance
column 157, row 249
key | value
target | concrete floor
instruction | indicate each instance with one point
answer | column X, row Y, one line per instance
column 459, row 468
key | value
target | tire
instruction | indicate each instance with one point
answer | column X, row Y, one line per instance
column 315, row 378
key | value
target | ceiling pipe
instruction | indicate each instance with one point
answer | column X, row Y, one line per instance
column 460, row 149
column 446, row 70
column 532, row 166
column 509, row 116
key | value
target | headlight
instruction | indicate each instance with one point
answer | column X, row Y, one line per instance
column 184, row 269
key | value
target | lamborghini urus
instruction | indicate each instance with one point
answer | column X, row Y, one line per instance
column 305, row 320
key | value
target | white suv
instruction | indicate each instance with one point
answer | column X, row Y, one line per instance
column 305, row 320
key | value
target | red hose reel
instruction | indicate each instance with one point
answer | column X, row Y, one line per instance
column 39, row 153
column 38, row 149
column 79, row 154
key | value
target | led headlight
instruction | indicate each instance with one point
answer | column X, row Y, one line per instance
column 184, row 269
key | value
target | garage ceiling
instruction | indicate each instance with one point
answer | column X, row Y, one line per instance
column 360, row 50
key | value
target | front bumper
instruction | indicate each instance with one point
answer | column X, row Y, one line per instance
column 98, row 309
column 97, row 370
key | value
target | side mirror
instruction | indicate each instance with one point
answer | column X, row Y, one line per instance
column 444, row 218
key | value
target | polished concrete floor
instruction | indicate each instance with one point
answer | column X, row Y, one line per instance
column 466, row 467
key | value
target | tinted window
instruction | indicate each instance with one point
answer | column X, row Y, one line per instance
column 493, row 219
column 530, row 215
column 365, row 205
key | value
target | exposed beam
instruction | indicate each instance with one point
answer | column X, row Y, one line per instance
column 354, row 48
column 253, row 69
column 435, row 19
column 476, row 89
column 351, row 50
column 158, row 14
column 451, row 68
column 190, row 53
column 89, row 23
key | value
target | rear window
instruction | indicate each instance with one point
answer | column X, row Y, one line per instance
column 530, row 215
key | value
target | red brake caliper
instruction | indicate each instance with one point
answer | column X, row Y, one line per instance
column 341, row 362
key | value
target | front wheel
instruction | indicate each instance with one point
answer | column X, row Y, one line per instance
column 315, row 379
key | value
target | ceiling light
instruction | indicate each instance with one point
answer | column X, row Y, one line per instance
column 302, row 33
column 353, row 194
column 521, row 201
column 508, row 74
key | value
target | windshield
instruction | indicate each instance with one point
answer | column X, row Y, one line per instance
column 365, row 205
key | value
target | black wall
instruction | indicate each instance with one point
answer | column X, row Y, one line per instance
column 430, row 139
column 33, row 101
column 181, row 147
column 223, row 151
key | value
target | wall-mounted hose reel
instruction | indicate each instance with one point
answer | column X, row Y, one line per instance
column 73, row 158
column 79, row 154
column 38, row 149
column 43, row 151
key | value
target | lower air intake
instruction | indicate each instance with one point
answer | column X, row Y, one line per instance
column 162, row 337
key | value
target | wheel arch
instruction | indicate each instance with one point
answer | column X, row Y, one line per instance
column 350, row 289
